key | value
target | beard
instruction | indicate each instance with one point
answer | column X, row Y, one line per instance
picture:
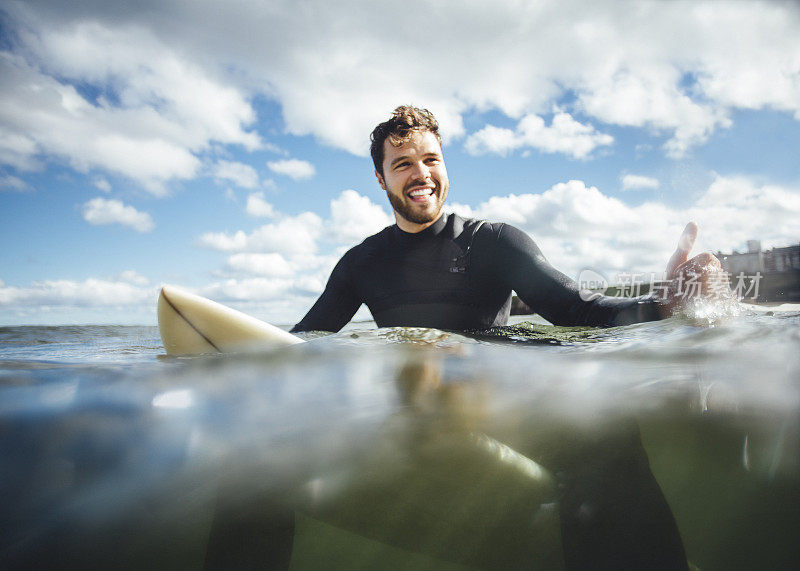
column 411, row 212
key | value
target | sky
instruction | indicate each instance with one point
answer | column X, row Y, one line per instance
column 223, row 146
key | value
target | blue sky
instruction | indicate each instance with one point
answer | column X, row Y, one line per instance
column 223, row 146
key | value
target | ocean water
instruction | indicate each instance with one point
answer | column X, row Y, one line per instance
column 404, row 448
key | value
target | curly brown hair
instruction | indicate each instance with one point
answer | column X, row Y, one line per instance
column 406, row 120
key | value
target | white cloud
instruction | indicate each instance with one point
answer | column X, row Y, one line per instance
column 564, row 210
column 270, row 265
column 147, row 75
column 101, row 211
column 590, row 51
column 176, row 77
column 248, row 289
column 755, row 67
column 651, row 97
column 133, row 277
column 493, row 139
column 223, row 242
column 354, row 217
column 240, row 174
column 291, row 235
column 736, row 209
column 91, row 292
column 635, row 181
column 564, row 135
column 293, row 168
column 156, row 109
column 17, row 150
column 464, row 210
column 48, row 117
column 257, row 206
column 101, row 184
column 14, row 183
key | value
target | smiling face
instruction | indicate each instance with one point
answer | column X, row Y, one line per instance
column 415, row 180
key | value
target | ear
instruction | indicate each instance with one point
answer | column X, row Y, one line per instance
column 380, row 180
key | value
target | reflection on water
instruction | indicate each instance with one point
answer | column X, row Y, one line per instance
column 404, row 448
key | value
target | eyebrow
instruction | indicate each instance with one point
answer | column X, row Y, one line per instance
column 398, row 159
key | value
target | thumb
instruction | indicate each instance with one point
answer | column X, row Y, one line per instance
column 685, row 245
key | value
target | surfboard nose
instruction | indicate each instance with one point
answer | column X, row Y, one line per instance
column 191, row 325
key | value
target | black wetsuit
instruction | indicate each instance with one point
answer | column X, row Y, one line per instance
column 458, row 274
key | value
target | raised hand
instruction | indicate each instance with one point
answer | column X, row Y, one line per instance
column 690, row 278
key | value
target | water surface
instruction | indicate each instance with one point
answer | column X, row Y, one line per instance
column 113, row 454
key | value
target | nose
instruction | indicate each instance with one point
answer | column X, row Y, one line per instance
column 421, row 170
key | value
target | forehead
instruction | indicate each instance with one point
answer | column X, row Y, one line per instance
column 420, row 143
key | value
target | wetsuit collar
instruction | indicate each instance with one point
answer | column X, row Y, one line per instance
column 433, row 230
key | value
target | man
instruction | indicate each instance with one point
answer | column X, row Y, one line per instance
column 447, row 272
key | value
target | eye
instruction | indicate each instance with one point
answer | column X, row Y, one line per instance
column 398, row 166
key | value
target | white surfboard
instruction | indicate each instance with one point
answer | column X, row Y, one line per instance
column 193, row 325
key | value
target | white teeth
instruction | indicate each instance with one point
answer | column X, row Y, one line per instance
column 420, row 192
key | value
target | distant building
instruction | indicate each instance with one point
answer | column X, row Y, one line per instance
column 755, row 260
column 783, row 259
column 749, row 263
column 776, row 271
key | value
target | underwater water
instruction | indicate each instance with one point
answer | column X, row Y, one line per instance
column 525, row 446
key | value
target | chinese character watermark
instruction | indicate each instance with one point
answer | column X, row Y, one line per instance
column 740, row 285
column 593, row 284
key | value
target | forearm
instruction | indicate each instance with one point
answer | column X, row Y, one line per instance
column 556, row 297
column 607, row 311
column 559, row 300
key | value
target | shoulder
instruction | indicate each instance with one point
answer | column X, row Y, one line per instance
column 512, row 239
column 370, row 244
column 500, row 232
column 508, row 232
column 500, row 237
column 377, row 240
column 474, row 227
